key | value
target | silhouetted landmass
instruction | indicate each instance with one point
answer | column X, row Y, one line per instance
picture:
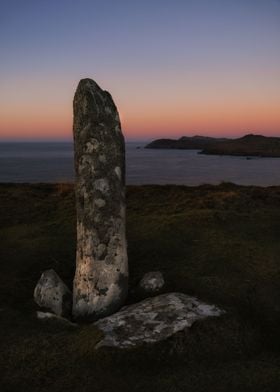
column 248, row 145
column 185, row 143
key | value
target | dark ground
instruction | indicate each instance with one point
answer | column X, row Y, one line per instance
column 220, row 243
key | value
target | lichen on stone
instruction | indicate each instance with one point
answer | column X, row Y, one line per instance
column 100, row 200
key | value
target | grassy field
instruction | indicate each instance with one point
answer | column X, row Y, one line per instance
column 220, row 243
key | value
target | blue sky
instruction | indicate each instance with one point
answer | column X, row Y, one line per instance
column 194, row 59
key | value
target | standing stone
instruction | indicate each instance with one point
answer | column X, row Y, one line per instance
column 100, row 284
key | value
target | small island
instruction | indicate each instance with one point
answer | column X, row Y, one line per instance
column 248, row 145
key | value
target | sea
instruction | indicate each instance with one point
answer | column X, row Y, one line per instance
column 53, row 162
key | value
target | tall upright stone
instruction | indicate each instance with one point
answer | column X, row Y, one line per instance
column 100, row 284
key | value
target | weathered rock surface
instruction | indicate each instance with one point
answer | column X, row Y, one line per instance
column 51, row 316
column 51, row 293
column 152, row 282
column 100, row 284
column 153, row 319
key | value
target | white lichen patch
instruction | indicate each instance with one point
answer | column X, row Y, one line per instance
column 100, row 202
column 118, row 172
column 86, row 164
column 92, row 145
column 102, row 158
column 102, row 185
column 101, row 249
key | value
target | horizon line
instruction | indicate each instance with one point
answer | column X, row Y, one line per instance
column 130, row 139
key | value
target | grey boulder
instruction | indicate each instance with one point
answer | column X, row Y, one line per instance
column 153, row 319
column 152, row 282
column 52, row 294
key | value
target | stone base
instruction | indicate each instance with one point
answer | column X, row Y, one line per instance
column 153, row 319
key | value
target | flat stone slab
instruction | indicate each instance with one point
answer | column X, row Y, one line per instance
column 153, row 319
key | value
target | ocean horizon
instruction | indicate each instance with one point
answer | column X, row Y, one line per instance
column 52, row 162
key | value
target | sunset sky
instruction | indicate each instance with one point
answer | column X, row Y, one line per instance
column 176, row 67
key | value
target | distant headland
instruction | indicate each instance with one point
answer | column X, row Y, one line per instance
column 185, row 143
column 248, row 145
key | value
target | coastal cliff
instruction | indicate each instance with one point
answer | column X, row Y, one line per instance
column 248, row 145
column 185, row 143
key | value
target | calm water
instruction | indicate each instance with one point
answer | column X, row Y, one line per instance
column 53, row 162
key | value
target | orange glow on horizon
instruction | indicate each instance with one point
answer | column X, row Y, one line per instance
column 147, row 119
column 198, row 67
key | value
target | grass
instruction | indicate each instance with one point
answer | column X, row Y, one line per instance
column 220, row 243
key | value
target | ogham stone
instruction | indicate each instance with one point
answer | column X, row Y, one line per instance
column 101, row 278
